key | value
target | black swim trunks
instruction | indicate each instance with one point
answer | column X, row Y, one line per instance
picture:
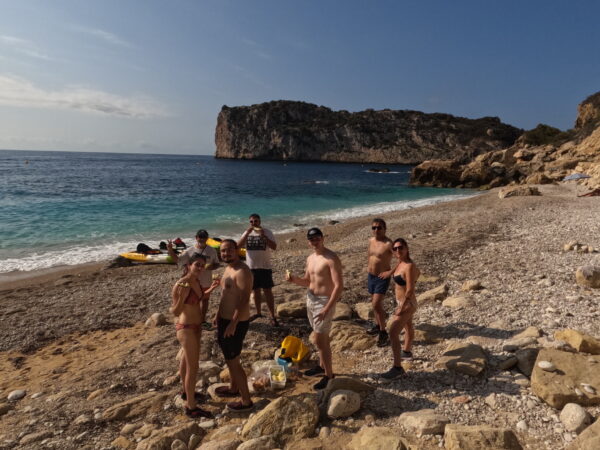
column 377, row 285
column 231, row 346
column 263, row 279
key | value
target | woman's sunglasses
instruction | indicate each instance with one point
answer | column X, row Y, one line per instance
column 398, row 248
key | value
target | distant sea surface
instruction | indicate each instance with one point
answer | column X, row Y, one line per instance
column 62, row 208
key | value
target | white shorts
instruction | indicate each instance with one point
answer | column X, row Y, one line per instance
column 314, row 305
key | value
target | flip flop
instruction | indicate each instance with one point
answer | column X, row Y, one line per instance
column 239, row 407
column 225, row 391
column 196, row 413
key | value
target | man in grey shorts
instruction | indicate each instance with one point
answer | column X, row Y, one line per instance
column 323, row 278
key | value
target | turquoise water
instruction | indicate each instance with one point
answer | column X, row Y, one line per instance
column 68, row 208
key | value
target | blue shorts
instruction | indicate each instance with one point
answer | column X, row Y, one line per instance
column 377, row 285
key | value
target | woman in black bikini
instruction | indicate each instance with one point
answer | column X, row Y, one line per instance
column 405, row 276
column 187, row 306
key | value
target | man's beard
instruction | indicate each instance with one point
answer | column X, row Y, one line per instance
column 228, row 260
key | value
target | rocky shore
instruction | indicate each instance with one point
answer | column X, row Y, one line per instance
column 506, row 354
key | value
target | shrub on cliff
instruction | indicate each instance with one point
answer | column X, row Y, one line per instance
column 545, row 134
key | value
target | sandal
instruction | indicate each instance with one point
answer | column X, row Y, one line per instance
column 197, row 395
column 239, row 407
column 225, row 391
column 197, row 412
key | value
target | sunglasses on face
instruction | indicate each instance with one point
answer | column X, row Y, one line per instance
column 398, row 248
column 376, row 227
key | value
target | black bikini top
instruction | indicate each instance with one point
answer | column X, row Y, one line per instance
column 399, row 280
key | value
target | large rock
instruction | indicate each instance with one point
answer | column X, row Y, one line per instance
column 295, row 309
column 478, row 437
column 424, row 421
column 378, row 438
column 574, row 417
column 529, row 332
column 457, row 302
column 588, row 276
column 469, row 359
column 518, row 191
column 290, row 130
column 35, row 437
column 579, row 341
column 261, row 443
column 341, row 383
column 364, row 311
column 346, row 335
column 286, row 418
column 226, row 444
column 432, row 295
column 428, row 333
column 137, row 406
column 162, row 439
column 208, row 369
column 526, row 358
column 589, row 439
column 557, row 388
column 343, row 403
column 342, row 312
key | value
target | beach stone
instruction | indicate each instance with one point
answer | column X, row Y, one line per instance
column 35, row 437
column 424, row 421
column 547, row 366
column 558, row 388
column 499, row 324
column 471, row 285
column 457, row 302
column 208, row 369
column 225, row 432
column 144, row 431
column 226, row 444
column 324, row 432
column 211, row 390
column 15, row 395
column 508, row 363
column 82, row 419
column 292, row 309
column 378, row 438
column 260, row 443
column 122, row 442
column 512, row 345
column 469, row 359
column 194, row 440
column 156, row 320
column 518, row 191
column 526, row 359
column 476, row 437
column 588, row 276
column 129, row 428
column 4, row 408
column 364, row 311
column 346, row 335
column 433, row 295
column 529, row 332
column 574, row 417
column 136, row 406
column 178, row 444
column 286, row 418
column 428, row 333
column 342, row 312
column 96, row 394
column 589, row 439
column 344, row 384
column 579, row 341
column 163, row 438
column 343, row 403
column 36, row 395
column 170, row 381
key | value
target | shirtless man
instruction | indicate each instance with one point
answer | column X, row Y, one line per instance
column 323, row 278
column 232, row 323
column 379, row 268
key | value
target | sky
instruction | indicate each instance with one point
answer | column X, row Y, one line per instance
column 149, row 76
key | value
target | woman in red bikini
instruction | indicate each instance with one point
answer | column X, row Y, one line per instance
column 187, row 306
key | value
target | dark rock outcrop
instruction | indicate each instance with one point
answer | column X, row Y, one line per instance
column 539, row 156
column 287, row 130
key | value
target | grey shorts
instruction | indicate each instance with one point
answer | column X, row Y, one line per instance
column 314, row 305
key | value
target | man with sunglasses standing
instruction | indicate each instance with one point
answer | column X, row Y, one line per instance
column 323, row 278
column 259, row 242
column 379, row 272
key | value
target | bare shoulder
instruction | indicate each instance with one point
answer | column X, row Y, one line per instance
column 332, row 257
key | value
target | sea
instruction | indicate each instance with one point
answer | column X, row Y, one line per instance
column 64, row 208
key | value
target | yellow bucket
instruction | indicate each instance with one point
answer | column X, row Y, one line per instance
column 293, row 347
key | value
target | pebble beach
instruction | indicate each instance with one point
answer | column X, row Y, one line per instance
column 498, row 277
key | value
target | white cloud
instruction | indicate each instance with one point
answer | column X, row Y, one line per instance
column 15, row 91
column 24, row 47
column 106, row 36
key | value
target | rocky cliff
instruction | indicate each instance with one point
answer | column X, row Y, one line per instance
column 540, row 156
column 287, row 130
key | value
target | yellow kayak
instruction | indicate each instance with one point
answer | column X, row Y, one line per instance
column 216, row 244
column 161, row 258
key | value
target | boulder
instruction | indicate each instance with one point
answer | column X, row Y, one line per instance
column 122, row 442
column 260, row 443
column 35, row 437
column 364, row 311
column 518, row 191
column 378, row 438
column 163, row 438
column 457, row 302
column 512, row 345
column 342, row 312
column 343, row 403
column 137, row 406
column 579, row 341
column 477, row 437
column 227, row 444
column 424, row 421
column 292, row 309
column 178, row 444
column 574, row 417
column 433, row 295
column 558, row 388
column 156, row 320
column 589, row 439
column 526, row 358
column 346, row 335
column 344, row 384
column 529, row 332
column 428, row 333
column 588, row 276
column 464, row 358
column 286, row 418
column 15, row 395
column 471, row 285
